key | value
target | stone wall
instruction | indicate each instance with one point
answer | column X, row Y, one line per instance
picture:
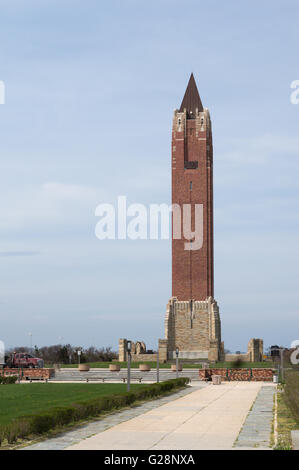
column 29, row 373
column 236, row 357
column 122, row 350
column 163, row 348
column 255, row 352
column 138, row 351
column 256, row 349
column 254, row 375
column 144, row 357
column 194, row 328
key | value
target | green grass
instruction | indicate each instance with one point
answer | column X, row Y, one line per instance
column 292, row 391
column 25, row 399
column 287, row 409
column 285, row 423
column 153, row 365
column 51, row 408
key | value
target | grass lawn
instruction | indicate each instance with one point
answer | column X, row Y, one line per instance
column 287, row 409
column 153, row 365
column 285, row 423
column 19, row 400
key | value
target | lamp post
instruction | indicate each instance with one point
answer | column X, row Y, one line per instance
column 79, row 354
column 177, row 362
column 129, row 346
column 158, row 365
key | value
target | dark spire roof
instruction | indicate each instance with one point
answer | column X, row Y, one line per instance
column 191, row 99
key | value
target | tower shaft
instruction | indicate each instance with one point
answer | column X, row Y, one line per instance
column 192, row 183
column 192, row 320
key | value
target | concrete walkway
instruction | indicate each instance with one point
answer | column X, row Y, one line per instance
column 208, row 418
column 257, row 428
column 102, row 423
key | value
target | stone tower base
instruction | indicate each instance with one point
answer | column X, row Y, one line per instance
column 194, row 328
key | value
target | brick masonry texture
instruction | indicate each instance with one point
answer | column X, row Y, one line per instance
column 254, row 375
column 192, row 321
column 192, row 270
column 194, row 328
column 29, row 373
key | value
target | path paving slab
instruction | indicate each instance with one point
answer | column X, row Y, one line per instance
column 295, row 439
column 256, row 431
column 209, row 418
column 68, row 438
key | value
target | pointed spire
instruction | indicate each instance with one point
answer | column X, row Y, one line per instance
column 191, row 99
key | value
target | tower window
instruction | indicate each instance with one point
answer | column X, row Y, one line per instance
column 190, row 165
column 190, row 185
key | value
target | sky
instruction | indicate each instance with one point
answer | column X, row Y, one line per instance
column 90, row 90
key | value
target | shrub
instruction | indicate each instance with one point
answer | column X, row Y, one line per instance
column 7, row 380
column 43, row 422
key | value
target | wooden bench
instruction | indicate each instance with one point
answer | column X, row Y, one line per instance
column 133, row 378
column 38, row 377
column 98, row 379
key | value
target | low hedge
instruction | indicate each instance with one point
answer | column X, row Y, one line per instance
column 291, row 391
column 43, row 422
column 6, row 380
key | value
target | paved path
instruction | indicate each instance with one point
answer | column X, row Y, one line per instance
column 256, row 431
column 65, row 439
column 208, row 418
column 295, row 439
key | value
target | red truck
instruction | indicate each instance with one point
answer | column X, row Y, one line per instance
column 18, row 360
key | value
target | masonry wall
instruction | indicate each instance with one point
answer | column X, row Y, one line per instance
column 254, row 375
column 194, row 328
column 191, row 334
column 255, row 352
column 192, row 183
column 29, row 373
column 235, row 357
column 144, row 357
column 256, row 349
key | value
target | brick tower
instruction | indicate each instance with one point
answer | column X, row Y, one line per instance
column 192, row 321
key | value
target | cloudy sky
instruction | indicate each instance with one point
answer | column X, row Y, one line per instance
column 90, row 91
